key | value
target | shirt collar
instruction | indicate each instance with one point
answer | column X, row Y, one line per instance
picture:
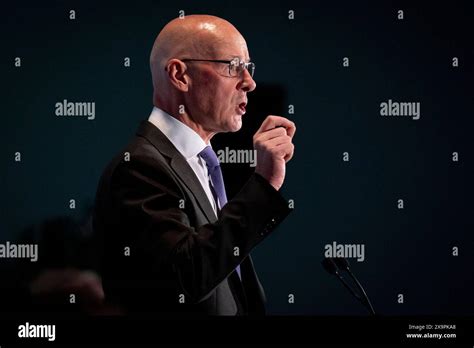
column 185, row 139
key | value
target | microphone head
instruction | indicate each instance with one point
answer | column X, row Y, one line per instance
column 329, row 265
column 341, row 262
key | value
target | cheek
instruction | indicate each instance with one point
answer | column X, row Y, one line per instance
column 206, row 78
column 208, row 89
column 215, row 95
column 225, row 95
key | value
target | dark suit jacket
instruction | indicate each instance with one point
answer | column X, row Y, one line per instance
column 162, row 248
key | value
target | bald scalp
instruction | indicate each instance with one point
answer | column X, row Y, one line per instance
column 194, row 36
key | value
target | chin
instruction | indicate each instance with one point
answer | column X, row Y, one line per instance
column 232, row 125
column 236, row 124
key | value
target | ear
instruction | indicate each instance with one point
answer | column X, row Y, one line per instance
column 176, row 71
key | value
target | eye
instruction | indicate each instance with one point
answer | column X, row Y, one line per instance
column 235, row 62
column 234, row 67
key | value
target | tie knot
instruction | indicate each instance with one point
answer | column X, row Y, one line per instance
column 210, row 158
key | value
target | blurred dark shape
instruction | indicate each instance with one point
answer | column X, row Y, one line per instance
column 62, row 280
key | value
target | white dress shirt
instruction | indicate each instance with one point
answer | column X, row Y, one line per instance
column 188, row 143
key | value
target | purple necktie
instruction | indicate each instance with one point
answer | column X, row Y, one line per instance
column 217, row 181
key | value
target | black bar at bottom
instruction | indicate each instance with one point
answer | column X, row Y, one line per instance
column 265, row 330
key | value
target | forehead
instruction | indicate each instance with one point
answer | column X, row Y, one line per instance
column 231, row 46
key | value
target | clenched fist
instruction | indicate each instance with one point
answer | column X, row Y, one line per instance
column 273, row 142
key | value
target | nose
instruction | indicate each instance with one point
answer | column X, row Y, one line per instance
column 247, row 83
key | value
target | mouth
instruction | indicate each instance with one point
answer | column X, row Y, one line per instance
column 241, row 108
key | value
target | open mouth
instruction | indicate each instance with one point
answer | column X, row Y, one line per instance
column 242, row 108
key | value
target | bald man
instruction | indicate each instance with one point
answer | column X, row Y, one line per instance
column 170, row 241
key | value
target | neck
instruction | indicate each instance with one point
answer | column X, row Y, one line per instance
column 198, row 128
column 185, row 118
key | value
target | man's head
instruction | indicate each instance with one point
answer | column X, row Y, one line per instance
column 213, row 100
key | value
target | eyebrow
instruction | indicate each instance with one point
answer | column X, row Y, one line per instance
column 232, row 57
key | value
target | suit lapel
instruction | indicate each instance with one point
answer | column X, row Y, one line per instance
column 186, row 174
column 179, row 165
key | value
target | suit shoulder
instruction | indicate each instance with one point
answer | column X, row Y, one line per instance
column 139, row 158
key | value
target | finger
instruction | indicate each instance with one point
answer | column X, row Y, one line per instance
column 286, row 150
column 270, row 134
column 291, row 129
column 273, row 121
column 289, row 156
column 285, row 139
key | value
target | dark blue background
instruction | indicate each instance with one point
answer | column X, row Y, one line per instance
column 408, row 251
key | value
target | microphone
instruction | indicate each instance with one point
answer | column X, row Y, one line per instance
column 343, row 264
column 333, row 265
